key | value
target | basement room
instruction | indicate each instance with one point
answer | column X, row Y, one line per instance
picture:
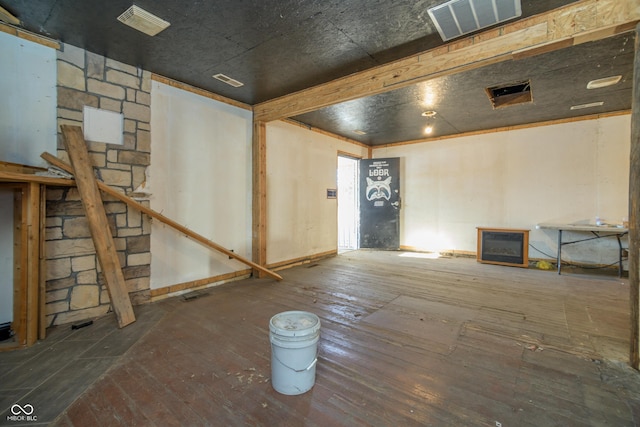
column 320, row 213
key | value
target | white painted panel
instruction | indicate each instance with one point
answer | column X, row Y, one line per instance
column 28, row 101
column 301, row 165
column 102, row 125
column 200, row 176
column 561, row 173
column 6, row 256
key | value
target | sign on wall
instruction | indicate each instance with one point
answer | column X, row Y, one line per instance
column 380, row 203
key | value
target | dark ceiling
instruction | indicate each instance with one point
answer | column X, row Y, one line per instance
column 279, row 47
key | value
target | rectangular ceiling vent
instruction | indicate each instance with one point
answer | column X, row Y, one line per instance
column 510, row 94
column 228, row 80
column 143, row 21
column 459, row 17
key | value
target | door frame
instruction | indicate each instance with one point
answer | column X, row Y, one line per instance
column 28, row 262
column 356, row 199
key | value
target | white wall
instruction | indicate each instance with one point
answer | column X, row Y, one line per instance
column 561, row 173
column 28, row 101
column 200, row 176
column 27, row 128
column 301, row 166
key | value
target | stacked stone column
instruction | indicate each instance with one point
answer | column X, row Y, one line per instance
column 75, row 286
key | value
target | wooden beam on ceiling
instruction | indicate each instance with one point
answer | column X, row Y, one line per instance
column 6, row 16
column 579, row 22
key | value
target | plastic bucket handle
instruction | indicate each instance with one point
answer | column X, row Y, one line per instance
column 298, row 370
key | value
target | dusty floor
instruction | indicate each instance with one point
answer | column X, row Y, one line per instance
column 404, row 341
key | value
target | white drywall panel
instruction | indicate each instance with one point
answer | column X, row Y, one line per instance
column 200, row 176
column 561, row 173
column 28, row 102
column 301, row 166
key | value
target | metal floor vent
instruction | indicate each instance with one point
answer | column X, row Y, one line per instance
column 459, row 17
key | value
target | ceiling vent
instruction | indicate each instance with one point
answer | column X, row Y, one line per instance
column 589, row 105
column 228, row 80
column 510, row 94
column 143, row 21
column 459, row 17
column 604, row 82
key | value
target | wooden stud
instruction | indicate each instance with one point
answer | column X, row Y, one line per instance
column 33, row 261
column 634, row 213
column 98, row 225
column 20, row 260
column 153, row 214
column 576, row 23
column 259, row 243
column 42, row 278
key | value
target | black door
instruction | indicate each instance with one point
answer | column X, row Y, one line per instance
column 380, row 203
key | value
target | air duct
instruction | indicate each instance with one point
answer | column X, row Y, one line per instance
column 143, row 21
column 459, row 17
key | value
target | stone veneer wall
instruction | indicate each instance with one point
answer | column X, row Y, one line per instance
column 75, row 288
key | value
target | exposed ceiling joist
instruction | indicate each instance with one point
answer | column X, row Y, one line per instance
column 577, row 23
column 6, row 16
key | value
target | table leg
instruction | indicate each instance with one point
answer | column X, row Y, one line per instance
column 559, row 251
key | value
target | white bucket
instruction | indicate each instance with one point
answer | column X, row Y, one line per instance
column 294, row 341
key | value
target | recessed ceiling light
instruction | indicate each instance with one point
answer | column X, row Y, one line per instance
column 429, row 114
column 228, row 80
column 143, row 21
column 592, row 104
column 360, row 132
column 604, row 82
column 428, row 130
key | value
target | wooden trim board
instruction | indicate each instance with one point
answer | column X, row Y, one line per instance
column 634, row 214
column 160, row 293
column 98, row 224
column 576, row 23
column 259, row 209
column 42, row 279
column 33, row 262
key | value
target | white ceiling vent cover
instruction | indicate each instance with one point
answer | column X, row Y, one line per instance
column 459, row 17
column 228, row 80
column 141, row 20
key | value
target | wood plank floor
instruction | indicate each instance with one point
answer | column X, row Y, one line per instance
column 404, row 341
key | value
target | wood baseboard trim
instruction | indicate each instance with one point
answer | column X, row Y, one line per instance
column 302, row 260
column 168, row 291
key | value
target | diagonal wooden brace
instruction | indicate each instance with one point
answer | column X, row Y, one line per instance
column 98, row 224
column 153, row 214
